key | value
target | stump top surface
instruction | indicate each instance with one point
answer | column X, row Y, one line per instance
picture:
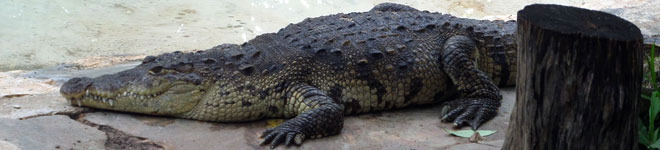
column 574, row 20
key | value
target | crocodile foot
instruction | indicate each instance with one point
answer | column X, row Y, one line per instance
column 284, row 133
column 471, row 111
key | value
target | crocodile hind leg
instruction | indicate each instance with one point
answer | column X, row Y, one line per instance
column 480, row 97
column 317, row 116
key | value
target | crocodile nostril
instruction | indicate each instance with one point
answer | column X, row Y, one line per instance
column 76, row 85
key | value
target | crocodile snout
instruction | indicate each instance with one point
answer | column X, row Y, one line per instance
column 75, row 87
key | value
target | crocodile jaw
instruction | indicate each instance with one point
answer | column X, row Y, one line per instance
column 137, row 93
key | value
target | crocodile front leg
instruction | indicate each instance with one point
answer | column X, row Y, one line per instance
column 317, row 116
column 480, row 97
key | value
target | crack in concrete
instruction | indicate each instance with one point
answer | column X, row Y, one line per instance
column 116, row 139
column 66, row 113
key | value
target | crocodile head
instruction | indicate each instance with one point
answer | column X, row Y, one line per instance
column 159, row 86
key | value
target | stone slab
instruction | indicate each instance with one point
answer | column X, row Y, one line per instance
column 35, row 105
column 49, row 132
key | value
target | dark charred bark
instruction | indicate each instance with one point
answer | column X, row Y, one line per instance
column 579, row 80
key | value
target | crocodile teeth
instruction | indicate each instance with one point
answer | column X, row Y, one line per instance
column 112, row 102
column 69, row 101
column 86, row 92
column 79, row 103
column 105, row 100
column 125, row 93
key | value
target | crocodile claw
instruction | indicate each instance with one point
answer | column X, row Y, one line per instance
column 471, row 111
column 282, row 134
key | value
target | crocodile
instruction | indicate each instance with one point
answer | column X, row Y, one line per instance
column 321, row 69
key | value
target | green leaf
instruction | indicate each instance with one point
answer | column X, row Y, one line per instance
column 655, row 105
column 461, row 133
column 652, row 70
column 654, row 137
column 651, row 64
column 655, row 145
column 649, row 60
column 646, row 97
column 643, row 133
column 486, row 132
column 653, row 112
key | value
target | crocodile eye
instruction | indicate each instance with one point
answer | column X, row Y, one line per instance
column 156, row 70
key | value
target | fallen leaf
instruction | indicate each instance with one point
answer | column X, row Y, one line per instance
column 469, row 133
column 461, row 133
column 475, row 138
column 486, row 132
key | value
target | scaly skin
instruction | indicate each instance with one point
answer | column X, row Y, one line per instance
column 321, row 69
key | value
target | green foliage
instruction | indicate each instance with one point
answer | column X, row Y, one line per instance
column 643, row 133
column 651, row 61
column 648, row 136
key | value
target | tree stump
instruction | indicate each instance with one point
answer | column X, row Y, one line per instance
column 579, row 80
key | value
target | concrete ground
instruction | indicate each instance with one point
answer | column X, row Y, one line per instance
column 34, row 116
